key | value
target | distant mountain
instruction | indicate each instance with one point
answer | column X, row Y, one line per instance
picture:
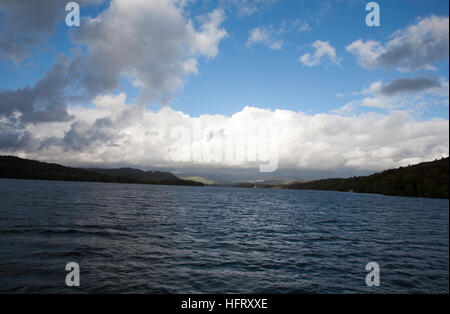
column 136, row 174
column 202, row 180
column 428, row 179
column 266, row 182
column 241, row 183
column 18, row 168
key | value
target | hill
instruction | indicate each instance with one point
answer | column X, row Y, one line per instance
column 136, row 174
column 18, row 168
column 428, row 179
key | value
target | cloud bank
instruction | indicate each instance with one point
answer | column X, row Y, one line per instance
column 116, row 133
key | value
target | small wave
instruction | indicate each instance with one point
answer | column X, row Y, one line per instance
column 403, row 283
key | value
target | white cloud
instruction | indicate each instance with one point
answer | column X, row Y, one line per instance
column 374, row 88
column 347, row 109
column 323, row 52
column 151, row 42
column 277, row 45
column 412, row 94
column 114, row 133
column 417, row 47
column 264, row 35
column 247, row 7
column 259, row 35
column 207, row 41
column 273, row 37
column 302, row 26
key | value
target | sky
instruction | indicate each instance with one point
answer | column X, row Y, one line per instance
column 244, row 89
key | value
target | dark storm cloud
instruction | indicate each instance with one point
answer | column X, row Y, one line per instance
column 409, row 85
column 25, row 23
column 70, row 80
column 413, row 56
column 12, row 139
column 45, row 102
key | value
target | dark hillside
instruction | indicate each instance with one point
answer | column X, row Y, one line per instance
column 428, row 179
column 18, row 168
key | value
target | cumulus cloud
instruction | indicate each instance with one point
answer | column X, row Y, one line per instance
column 114, row 132
column 150, row 42
column 27, row 23
column 13, row 138
column 45, row 102
column 323, row 52
column 416, row 47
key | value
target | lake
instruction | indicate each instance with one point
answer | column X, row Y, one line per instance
column 130, row 238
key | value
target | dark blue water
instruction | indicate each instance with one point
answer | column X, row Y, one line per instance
column 167, row 239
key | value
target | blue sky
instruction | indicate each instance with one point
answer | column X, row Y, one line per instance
column 225, row 58
column 259, row 76
column 275, row 79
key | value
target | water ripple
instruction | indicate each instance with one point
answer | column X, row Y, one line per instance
column 163, row 239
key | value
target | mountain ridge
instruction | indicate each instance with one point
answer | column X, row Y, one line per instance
column 13, row 167
column 427, row 179
column 135, row 173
